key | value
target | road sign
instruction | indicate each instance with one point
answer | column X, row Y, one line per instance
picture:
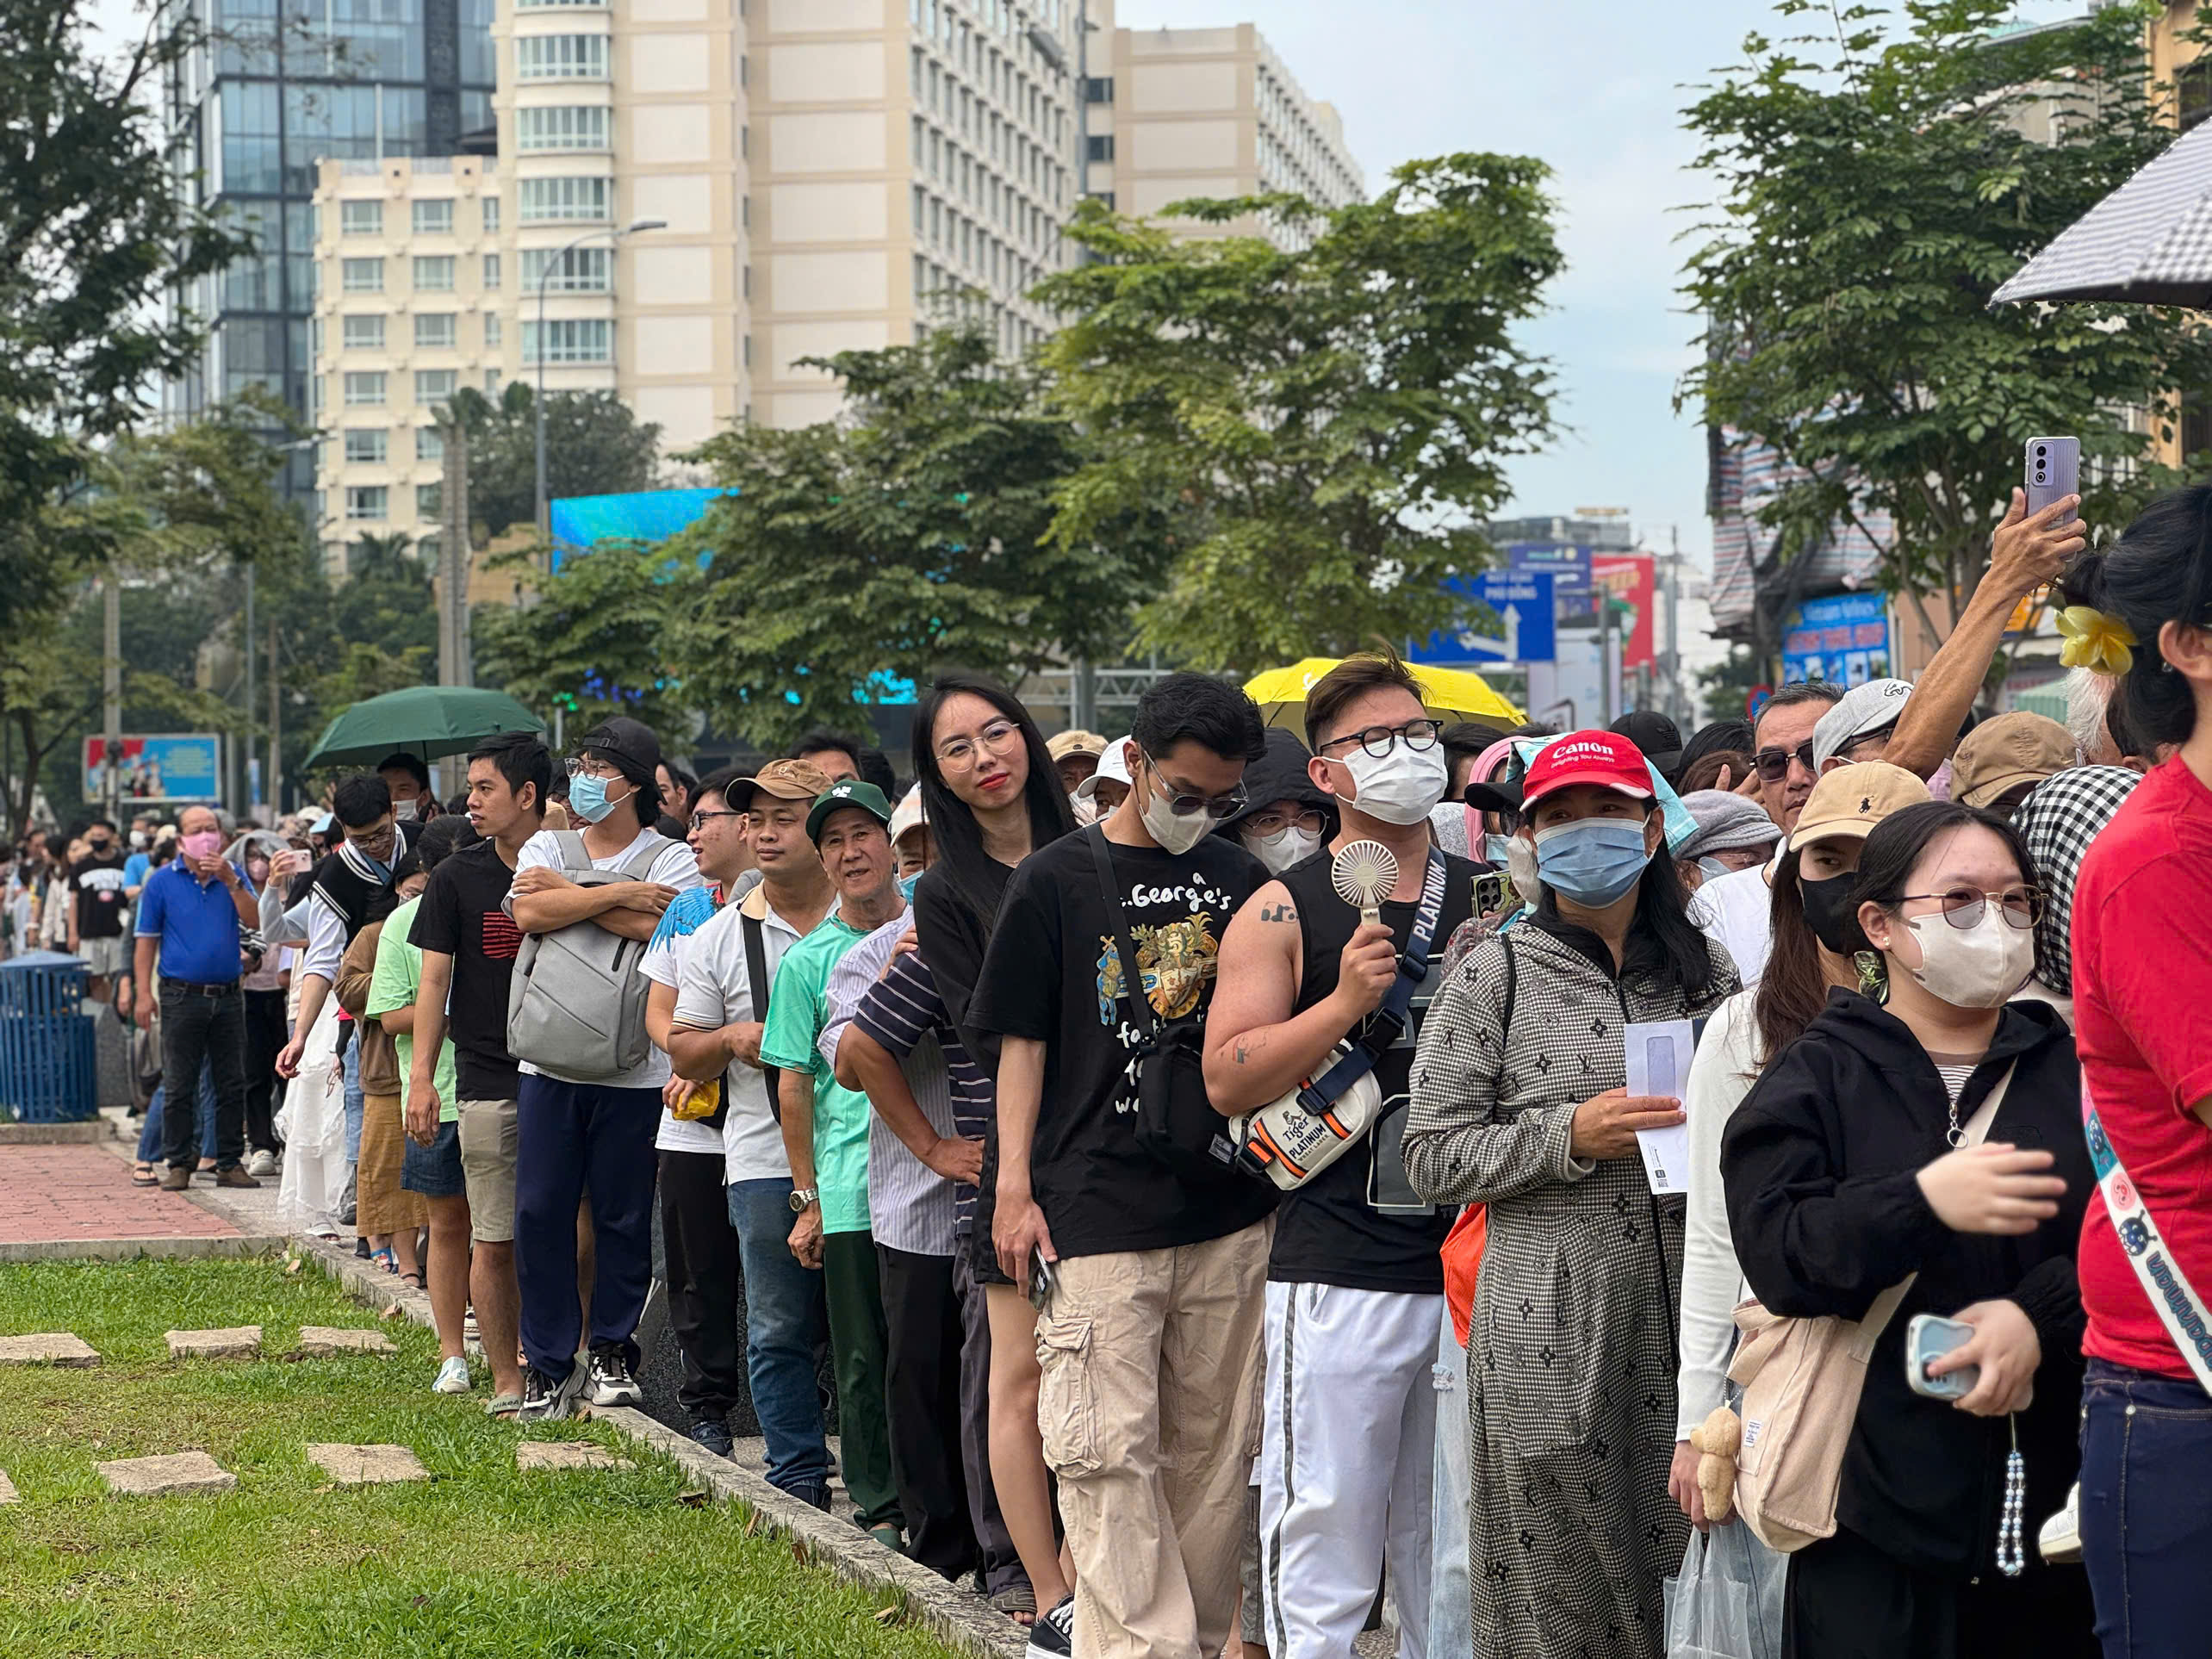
column 1522, row 601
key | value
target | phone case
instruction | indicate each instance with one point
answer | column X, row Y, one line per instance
column 1927, row 1338
column 2052, row 469
column 1659, row 1059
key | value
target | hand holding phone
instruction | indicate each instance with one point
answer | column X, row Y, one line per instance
column 1928, row 1339
column 2053, row 472
column 1043, row 1281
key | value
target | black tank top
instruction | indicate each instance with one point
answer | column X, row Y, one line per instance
column 1356, row 1224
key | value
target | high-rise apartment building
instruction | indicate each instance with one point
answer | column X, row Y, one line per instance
column 275, row 88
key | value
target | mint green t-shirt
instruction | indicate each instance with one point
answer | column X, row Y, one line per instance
column 798, row 1007
column 392, row 985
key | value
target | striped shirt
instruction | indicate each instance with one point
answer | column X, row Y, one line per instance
column 903, row 1011
column 910, row 1206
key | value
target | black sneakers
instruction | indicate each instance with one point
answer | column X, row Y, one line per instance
column 545, row 1400
column 612, row 1384
column 713, row 1434
column 1052, row 1636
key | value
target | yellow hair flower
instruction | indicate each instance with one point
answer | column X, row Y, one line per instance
column 2095, row 640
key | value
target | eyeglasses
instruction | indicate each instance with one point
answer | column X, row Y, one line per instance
column 591, row 767
column 999, row 736
column 1964, row 907
column 699, row 820
column 1272, row 823
column 1774, row 764
column 1377, row 740
column 1184, row 806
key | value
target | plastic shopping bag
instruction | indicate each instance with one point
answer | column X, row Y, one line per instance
column 312, row 1125
column 1727, row 1602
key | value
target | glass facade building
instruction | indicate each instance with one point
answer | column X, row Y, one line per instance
column 276, row 86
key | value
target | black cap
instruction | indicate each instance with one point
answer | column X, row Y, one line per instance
column 630, row 743
column 1503, row 796
column 1656, row 735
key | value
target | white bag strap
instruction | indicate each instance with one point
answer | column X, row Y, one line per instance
column 574, row 857
column 1887, row 1304
column 2166, row 1286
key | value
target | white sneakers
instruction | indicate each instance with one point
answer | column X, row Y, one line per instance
column 262, row 1162
column 452, row 1377
column 2059, row 1537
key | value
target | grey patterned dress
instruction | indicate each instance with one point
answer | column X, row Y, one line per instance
column 1571, row 1352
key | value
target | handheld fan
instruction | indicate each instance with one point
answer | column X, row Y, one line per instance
column 1363, row 874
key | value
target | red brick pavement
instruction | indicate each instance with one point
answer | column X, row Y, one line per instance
column 85, row 1192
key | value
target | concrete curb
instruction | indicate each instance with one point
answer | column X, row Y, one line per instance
column 954, row 1616
column 88, row 1133
column 126, row 1250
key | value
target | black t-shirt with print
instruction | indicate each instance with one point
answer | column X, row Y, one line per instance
column 1358, row 1223
column 460, row 916
column 97, row 881
column 1052, row 974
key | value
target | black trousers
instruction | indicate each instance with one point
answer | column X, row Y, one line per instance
column 265, row 1041
column 701, row 1247
column 922, row 1398
column 1847, row 1600
column 197, row 1027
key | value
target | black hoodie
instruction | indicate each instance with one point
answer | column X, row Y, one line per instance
column 1820, row 1164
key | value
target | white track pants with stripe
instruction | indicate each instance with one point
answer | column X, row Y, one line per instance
column 1345, row 1465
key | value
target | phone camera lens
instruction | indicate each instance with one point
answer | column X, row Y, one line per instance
column 2040, row 450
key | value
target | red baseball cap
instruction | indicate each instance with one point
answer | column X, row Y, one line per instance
column 1603, row 758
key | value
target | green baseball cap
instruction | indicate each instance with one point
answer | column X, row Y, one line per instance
column 847, row 791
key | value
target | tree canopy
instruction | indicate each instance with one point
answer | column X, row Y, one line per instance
column 594, row 447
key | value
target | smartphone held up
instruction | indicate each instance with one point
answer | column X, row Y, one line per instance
column 2052, row 472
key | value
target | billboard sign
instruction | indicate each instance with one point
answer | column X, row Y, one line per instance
column 1569, row 565
column 1844, row 637
column 1521, row 601
column 184, row 766
column 1630, row 581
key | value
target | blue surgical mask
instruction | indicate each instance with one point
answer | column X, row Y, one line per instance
column 587, row 798
column 907, row 884
column 1591, row 860
column 1495, row 847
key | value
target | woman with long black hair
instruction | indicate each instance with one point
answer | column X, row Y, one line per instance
column 1850, row 1170
column 990, row 796
column 1519, row 1103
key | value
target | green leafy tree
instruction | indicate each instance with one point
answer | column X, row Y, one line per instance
column 596, row 641
column 1332, row 422
column 853, row 557
column 594, row 447
column 1878, row 178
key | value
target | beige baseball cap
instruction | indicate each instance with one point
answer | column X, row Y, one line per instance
column 786, row 780
column 1852, row 799
column 2013, row 748
column 1061, row 744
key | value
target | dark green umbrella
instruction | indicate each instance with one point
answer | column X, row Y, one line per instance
column 429, row 721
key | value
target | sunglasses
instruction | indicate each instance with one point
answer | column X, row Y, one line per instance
column 1184, row 806
column 1774, row 764
column 1964, row 907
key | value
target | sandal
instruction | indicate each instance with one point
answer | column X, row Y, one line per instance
column 385, row 1259
column 415, row 1279
column 1018, row 1602
column 503, row 1405
column 142, row 1175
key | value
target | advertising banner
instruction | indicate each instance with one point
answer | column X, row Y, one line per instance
column 159, row 767
column 1844, row 637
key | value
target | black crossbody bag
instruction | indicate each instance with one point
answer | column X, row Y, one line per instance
column 1176, row 1120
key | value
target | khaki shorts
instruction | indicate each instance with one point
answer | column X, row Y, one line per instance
column 489, row 1137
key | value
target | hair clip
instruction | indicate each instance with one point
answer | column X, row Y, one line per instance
column 2095, row 640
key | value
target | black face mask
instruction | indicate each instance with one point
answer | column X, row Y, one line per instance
column 1830, row 914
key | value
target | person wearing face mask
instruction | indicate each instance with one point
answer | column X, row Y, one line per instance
column 1519, row 1104
column 1098, row 795
column 265, row 988
column 1816, row 938
column 409, row 779
column 1354, row 1285
column 1733, row 833
column 95, row 912
column 1850, row 1170
column 1285, row 817
column 1151, row 1252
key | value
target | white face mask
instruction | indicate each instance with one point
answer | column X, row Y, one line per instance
column 1085, row 808
column 1401, row 787
column 1980, row 966
column 1279, row 851
column 1177, row 835
column 403, row 811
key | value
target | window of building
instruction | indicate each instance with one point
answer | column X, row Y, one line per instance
column 363, row 389
column 570, row 339
column 920, row 211
column 525, row 5
column 318, row 393
column 436, row 385
column 430, row 500
column 366, row 500
column 361, row 218
column 492, row 328
column 1099, row 147
column 365, row 446
column 429, row 549
column 361, row 276
column 434, row 331
column 430, row 443
column 315, row 336
column 562, row 127
column 434, row 218
column 560, row 57
column 491, row 270
column 363, row 333
column 433, row 273
column 565, row 198
column 488, row 208
column 2192, row 85
column 491, row 382
column 745, row 280
column 580, row 270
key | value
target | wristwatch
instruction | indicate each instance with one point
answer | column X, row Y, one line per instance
column 801, row 1198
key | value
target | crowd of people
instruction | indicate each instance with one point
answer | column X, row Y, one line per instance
column 1207, row 1159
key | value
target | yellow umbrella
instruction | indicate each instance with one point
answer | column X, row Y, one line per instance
column 1449, row 693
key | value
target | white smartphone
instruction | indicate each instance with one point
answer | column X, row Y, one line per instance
column 2052, row 471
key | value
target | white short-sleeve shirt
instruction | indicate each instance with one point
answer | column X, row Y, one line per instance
column 714, row 989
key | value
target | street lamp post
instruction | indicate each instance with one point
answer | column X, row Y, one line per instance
column 544, row 275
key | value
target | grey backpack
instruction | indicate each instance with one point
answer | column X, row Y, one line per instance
column 576, row 1003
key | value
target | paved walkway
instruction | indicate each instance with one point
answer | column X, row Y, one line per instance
column 50, row 1193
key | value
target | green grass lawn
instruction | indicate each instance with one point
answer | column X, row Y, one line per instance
column 480, row 1563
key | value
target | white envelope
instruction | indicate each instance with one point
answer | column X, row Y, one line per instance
column 1659, row 1064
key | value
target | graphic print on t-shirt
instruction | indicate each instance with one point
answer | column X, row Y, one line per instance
column 501, row 940
column 1176, row 963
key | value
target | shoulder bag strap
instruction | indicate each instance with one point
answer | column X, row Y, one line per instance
column 1887, row 1304
column 1387, row 1020
column 1101, row 862
column 573, row 855
column 2188, row 1321
column 756, row 975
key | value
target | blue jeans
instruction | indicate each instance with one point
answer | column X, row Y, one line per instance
column 785, row 1322
column 149, row 1147
column 2146, row 1527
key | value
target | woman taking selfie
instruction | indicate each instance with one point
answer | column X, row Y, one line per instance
column 1848, row 1171
column 2142, row 986
column 991, row 797
column 1816, row 935
column 1518, row 1104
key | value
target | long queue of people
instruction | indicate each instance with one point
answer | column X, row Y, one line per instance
column 1209, row 1162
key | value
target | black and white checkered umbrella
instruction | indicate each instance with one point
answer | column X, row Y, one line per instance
column 2149, row 242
